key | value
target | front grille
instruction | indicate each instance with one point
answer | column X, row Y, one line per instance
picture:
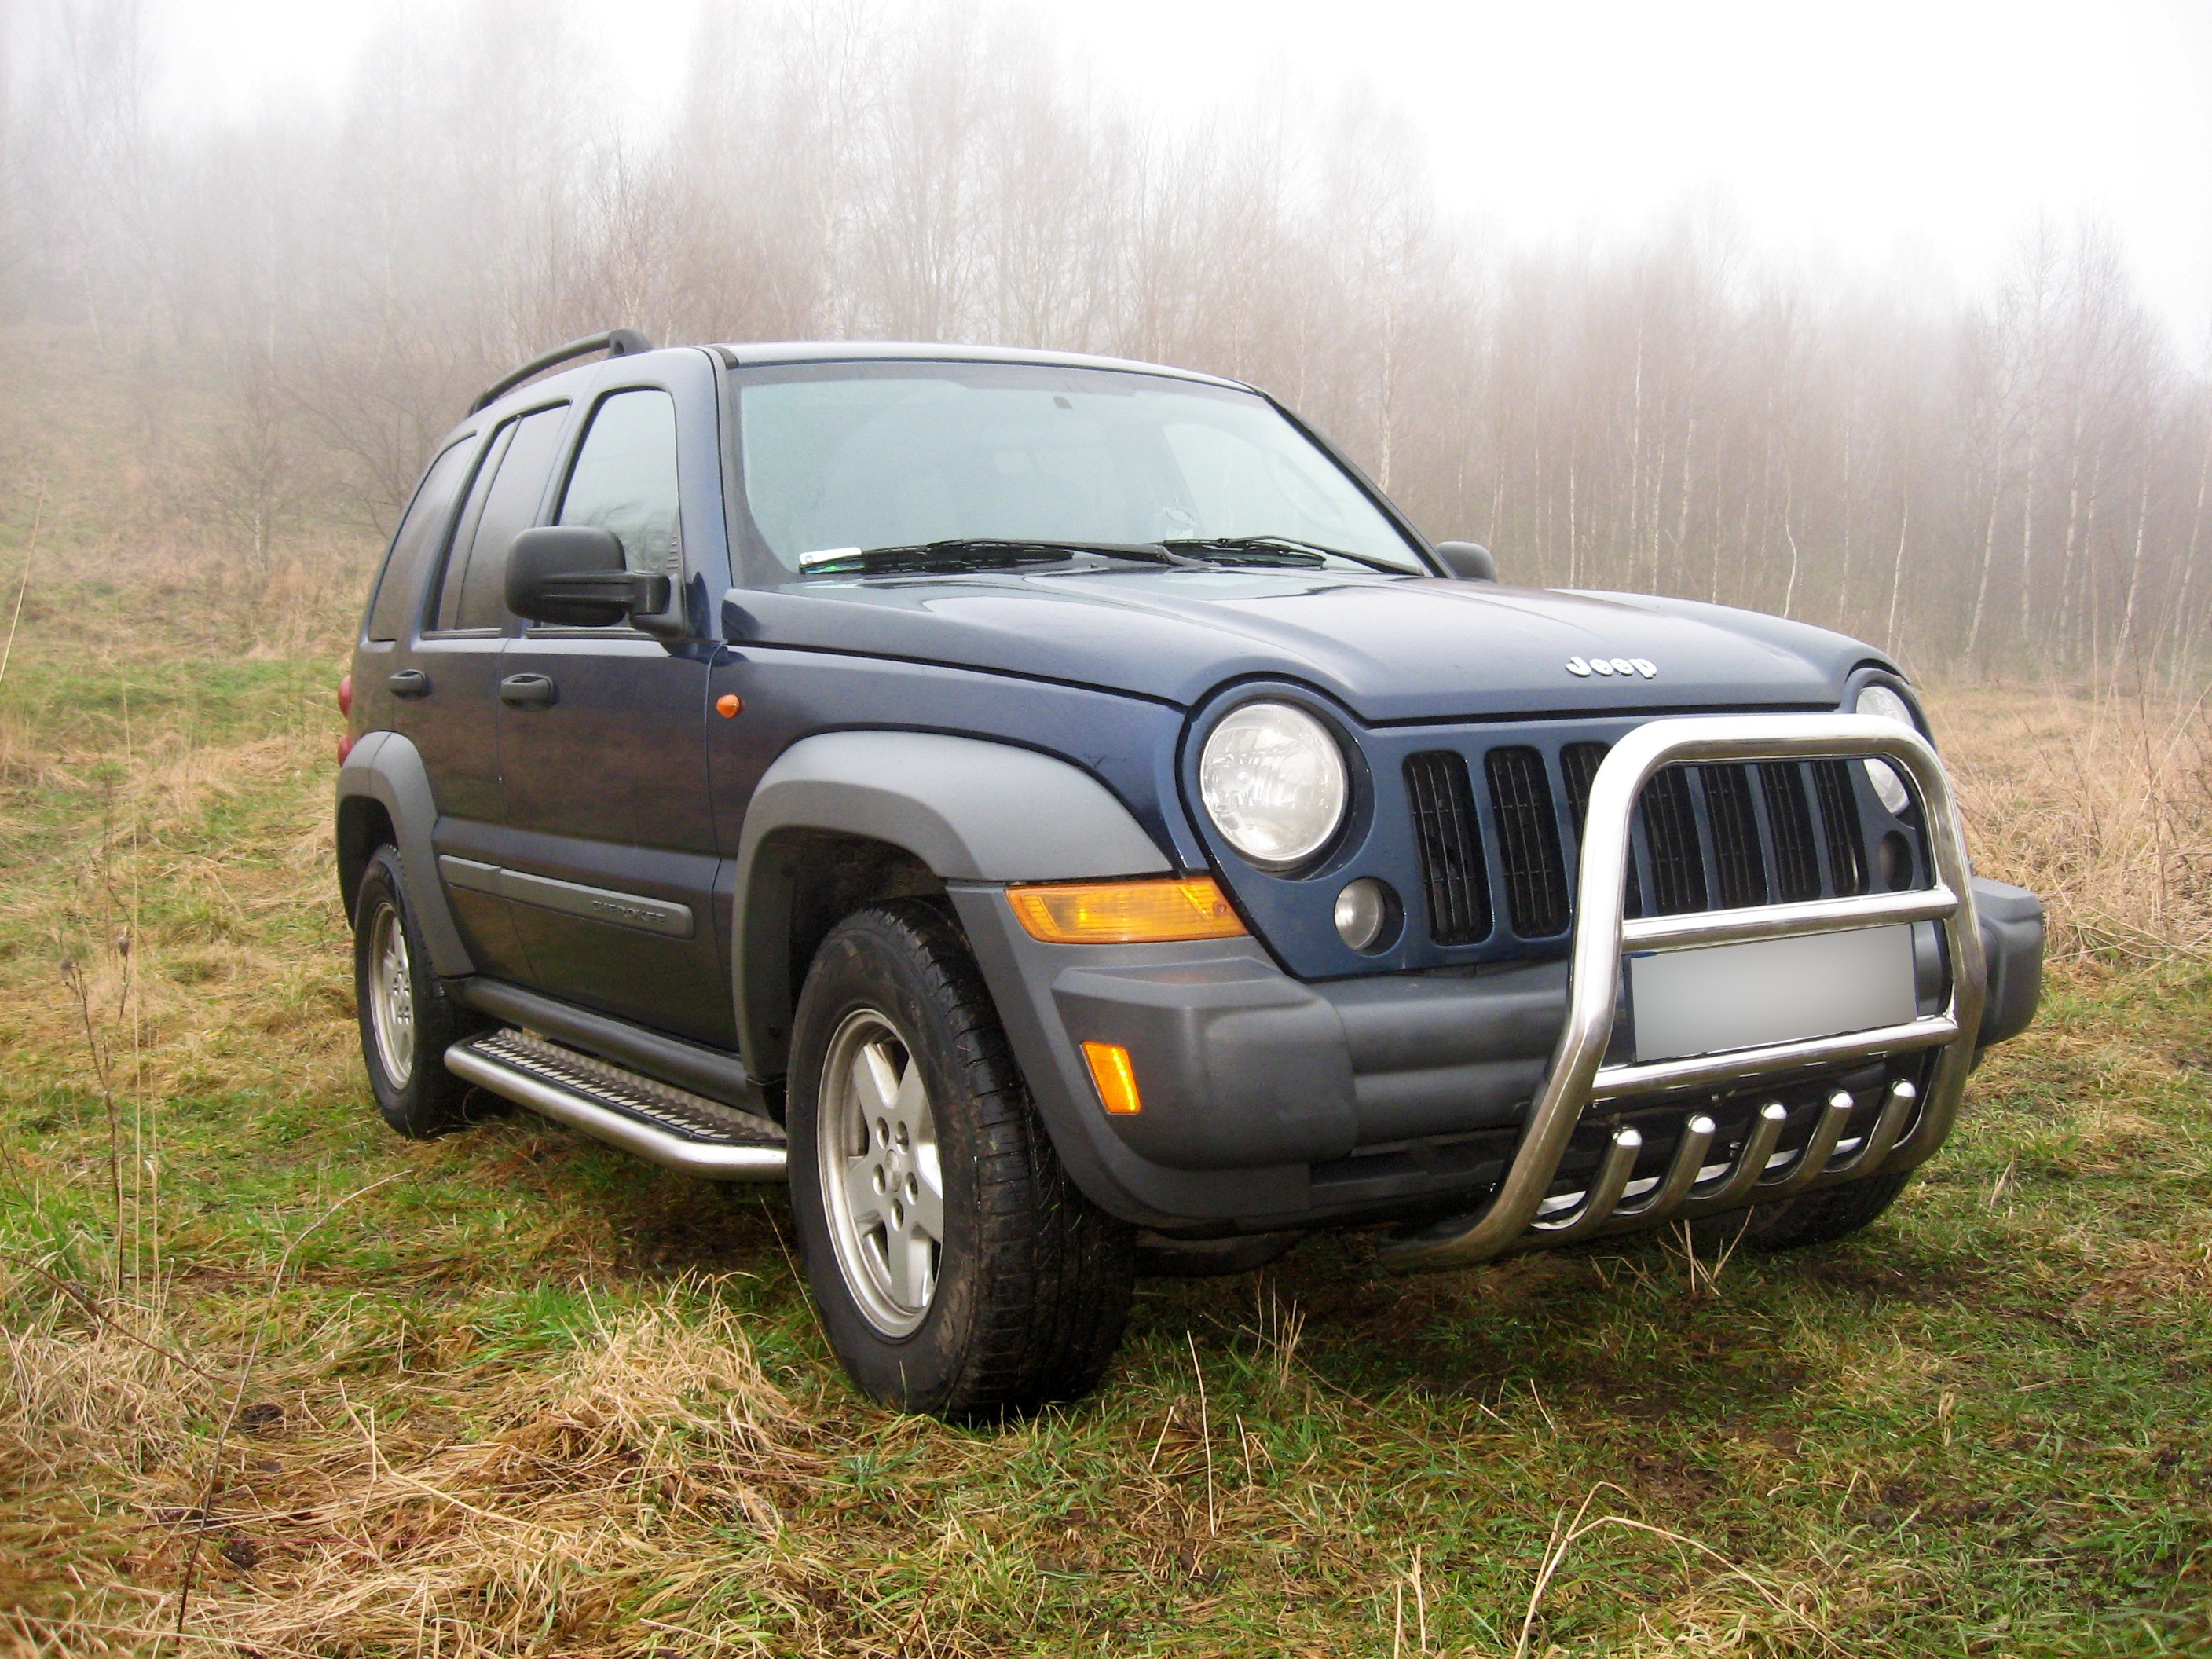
column 1796, row 858
column 1708, row 837
column 1528, row 843
column 1839, row 826
column 1453, row 878
column 1670, row 823
column 1578, row 764
column 1737, row 859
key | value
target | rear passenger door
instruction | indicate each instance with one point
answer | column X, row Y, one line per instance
column 609, row 843
column 452, row 715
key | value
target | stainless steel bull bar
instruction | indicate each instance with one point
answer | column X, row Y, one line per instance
column 1516, row 1217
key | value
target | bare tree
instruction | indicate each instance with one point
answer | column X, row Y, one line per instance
column 2015, row 481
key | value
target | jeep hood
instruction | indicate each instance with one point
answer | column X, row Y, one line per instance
column 1387, row 648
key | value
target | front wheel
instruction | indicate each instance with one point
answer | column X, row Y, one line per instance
column 958, row 1271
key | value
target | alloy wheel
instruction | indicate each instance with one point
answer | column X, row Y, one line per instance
column 391, row 996
column 883, row 1182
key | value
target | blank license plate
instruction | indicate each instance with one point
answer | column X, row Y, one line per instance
column 1781, row 990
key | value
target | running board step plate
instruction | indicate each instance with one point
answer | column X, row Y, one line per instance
column 660, row 1123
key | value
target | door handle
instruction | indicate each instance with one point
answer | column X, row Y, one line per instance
column 410, row 683
column 528, row 691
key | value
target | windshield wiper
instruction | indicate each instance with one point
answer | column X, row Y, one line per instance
column 1276, row 550
column 975, row 553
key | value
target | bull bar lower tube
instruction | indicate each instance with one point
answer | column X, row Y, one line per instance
column 1577, row 1076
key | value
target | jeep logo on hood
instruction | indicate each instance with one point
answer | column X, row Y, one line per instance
column 1583, row 667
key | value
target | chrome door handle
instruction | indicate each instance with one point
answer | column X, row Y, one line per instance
column 528, row 691
column 410, row 683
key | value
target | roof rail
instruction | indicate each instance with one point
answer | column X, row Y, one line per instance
column 616, row 342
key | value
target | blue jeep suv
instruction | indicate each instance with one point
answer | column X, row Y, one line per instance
column 1061, row 817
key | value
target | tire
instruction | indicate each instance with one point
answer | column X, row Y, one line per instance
column 899, row 1072
column 407, row 1021
column 1822, row 1218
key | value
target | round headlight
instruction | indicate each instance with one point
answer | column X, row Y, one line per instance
column 1272, row 781
column 1884, row 702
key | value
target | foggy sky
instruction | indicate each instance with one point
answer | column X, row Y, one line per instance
column 1911, row 141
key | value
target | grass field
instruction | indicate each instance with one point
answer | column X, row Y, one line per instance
column 279, row 1382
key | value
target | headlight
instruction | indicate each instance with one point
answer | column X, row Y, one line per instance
column 1272, row 781
column 1884, row 703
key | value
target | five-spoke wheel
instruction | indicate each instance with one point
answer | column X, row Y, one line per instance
column 390, row 993
column 407, row 1021
column 880, row 1173
column 958, row 1271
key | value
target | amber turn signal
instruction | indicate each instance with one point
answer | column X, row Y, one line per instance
column 1125, row 911
column 1115, row 1077
column 729, row 705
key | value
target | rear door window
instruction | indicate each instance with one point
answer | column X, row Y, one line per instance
column 416, row 543
column 502, row 503
column 624, row 480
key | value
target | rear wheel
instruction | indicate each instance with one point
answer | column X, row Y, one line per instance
column 958, row 1271
column 407, row 1021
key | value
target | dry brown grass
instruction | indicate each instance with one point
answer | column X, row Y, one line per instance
column 681, row 1472
column 2102, row 804
column 661, row 1424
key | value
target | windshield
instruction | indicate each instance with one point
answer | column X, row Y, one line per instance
column 852, row 457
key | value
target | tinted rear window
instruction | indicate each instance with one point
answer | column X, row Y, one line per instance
column 417, row 542
column 476, row 576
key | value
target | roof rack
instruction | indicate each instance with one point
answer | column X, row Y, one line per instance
column 616, row 342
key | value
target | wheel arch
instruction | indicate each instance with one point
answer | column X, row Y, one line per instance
column 847, row 819
column 384, row 797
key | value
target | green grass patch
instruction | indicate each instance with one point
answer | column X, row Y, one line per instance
column 512, row 1391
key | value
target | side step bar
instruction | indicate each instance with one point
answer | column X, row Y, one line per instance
column 663, row 1125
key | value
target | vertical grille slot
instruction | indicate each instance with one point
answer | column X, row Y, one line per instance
column 1454, row 882
column 1670, row 822
column 1578, row 764
column 1740, row 866
column 1839, row 826
column 1790, row 817
column 1529, row 842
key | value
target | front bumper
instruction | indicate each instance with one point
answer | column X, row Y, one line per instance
column 1271, row 1103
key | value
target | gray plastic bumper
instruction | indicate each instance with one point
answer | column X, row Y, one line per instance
column 1250, row 1077
column 2011, row 945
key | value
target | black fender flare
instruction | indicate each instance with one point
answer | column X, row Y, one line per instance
column 968, row 809
column 385, row 768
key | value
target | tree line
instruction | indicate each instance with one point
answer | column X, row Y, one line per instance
column 2011, row 482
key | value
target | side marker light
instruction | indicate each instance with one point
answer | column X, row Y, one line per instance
column 729, row 705
column 1115, row 1077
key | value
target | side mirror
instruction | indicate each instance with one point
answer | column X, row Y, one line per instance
column 1469, row 561
column 572, row 575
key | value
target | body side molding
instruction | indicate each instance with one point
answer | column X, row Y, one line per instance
column 386, row 768
column 967, row 809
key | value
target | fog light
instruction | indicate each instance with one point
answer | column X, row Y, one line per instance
column 1362, row 912
column 1895, row 856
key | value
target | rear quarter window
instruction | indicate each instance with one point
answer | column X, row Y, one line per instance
column 398, row 586
column 505, row 501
